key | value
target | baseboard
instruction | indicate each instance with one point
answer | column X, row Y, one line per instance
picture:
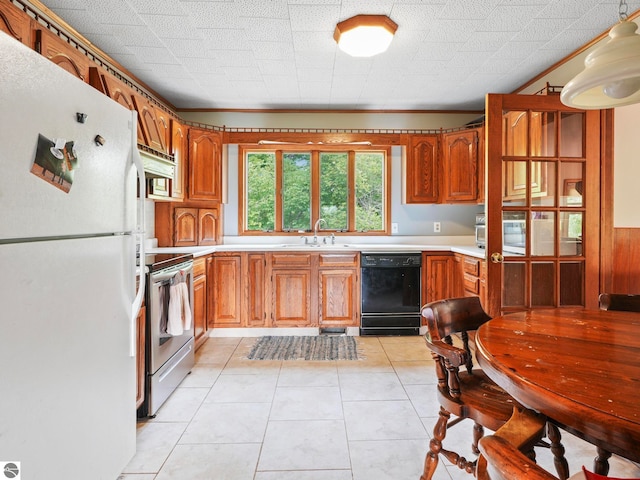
column 261, row 332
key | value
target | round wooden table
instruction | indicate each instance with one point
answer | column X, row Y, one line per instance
column 580, row 368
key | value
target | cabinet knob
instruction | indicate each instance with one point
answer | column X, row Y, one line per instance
column 497, row 257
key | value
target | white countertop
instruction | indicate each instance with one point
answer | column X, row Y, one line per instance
column 381, row 247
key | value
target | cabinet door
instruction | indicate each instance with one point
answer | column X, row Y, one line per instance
column 421, row 175
column 141, row 373
column 178, row 149
column 151, row 132
column 61, row 53
column 437, row 277
column 207, row 226
column 460, row 166
column 185, row 227
column 200, row 309
column 338, row 297
column 227, row 310
column 257, row 288
column 15, row 23
column 205, row 161
column 291, row 306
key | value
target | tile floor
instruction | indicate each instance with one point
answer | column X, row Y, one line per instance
column 371, row 419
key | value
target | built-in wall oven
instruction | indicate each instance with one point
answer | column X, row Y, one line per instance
column 169, row 327
column 390, row 293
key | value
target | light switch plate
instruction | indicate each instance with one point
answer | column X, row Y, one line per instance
column 394, row 228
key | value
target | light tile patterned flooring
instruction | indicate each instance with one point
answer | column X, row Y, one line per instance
column 371, row 419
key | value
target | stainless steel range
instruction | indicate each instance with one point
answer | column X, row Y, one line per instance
column 169, row 336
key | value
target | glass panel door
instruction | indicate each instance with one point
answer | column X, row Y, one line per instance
column 541, row 156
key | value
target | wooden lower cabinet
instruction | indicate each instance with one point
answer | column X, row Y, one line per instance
column 292, row 284
column 339, row 290
column 438, row 276
column 141, row 372
column 200, row 301
column 471, row 273
column 292, row 289
column 227, row 290
column 256, row 288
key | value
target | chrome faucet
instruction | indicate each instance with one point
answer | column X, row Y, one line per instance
column 316, row 227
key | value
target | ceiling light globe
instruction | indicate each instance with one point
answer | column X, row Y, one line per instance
column 611, row 77
column 365, row 35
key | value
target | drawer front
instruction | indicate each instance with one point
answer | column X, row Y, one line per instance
column 471, row 284
column 339, row 259
column 199, row 267
column 471, row 266
column 291, row 259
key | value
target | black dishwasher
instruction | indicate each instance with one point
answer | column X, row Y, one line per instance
column 390, row 296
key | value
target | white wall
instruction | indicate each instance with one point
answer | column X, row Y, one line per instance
column 626, row 189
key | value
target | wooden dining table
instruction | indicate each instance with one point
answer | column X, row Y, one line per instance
column 580, row 368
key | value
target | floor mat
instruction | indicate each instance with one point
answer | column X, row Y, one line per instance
column 322, row 347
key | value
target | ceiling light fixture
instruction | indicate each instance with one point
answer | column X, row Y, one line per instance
column 611, row 77
column 365, row 35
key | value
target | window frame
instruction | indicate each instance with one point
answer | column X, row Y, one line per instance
column 315, row 151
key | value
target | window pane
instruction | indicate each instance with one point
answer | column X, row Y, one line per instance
column 334, row 190
column 513, row 281
column 542, row 284
column 514, row 139
column 296, row 191
column 570, row 233
column 572, row 283
column 543, row 134
column 369, row 199
column 543, row 233
column 515, row 183
column 543, row 183
column 261, row 189
column 571, row 128
column 571, row 184
column 514, row 233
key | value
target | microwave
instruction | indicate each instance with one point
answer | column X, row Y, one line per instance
column 481, row 231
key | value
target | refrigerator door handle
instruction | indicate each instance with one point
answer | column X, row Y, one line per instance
column 138, row 234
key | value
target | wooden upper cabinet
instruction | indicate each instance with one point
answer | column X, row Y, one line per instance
column 61, row 53
column 460, row 166
column 15, row 23
column 152, row 134
column 117, row 91
column 421, row 175
column 163, row 123
column 205, row 165
column 178, row 148
column 208, row 225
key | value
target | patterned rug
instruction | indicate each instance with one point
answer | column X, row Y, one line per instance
column 321, row 347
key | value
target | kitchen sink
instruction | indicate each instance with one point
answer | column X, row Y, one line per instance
column 314, row 245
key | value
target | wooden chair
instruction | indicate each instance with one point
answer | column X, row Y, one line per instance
column 465, row 394
column 620, row 302
column 624, row 303
column 501, row 454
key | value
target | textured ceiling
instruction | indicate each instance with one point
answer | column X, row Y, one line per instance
column 280, row 54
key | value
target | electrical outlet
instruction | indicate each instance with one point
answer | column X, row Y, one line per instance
column 394, row 228
column 436, row 227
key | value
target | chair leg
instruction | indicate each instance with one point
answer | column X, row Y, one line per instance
column 435, row 445
column 478, row 433
column 601, row 462
column 557, row 449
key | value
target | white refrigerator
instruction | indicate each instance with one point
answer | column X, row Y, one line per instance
column 69, row 223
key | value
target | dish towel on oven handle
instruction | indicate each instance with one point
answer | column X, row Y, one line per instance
column 179, row 318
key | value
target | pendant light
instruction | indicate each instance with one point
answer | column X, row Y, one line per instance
column 611, row 77
column 365, row 35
